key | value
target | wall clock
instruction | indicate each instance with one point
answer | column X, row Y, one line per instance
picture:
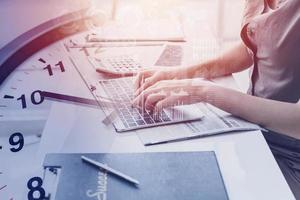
column 35, row 62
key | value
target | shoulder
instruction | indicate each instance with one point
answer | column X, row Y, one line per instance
column 252, row 9
column 255, row 8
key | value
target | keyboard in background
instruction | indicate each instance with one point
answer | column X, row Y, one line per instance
column 127, row 64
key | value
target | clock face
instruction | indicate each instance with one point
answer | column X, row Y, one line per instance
column 23, row 115
column 21, row 98
column 25, row 111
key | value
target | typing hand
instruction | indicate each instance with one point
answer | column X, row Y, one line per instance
column 150, row 77
column 168, row 93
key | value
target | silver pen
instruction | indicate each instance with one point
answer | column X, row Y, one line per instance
column 103, row 45
column 110, row 170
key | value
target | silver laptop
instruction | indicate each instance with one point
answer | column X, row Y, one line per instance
column 131, row 118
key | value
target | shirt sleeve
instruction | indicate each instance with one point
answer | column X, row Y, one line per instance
column 252, row 9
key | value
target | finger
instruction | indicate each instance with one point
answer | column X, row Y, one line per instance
column 140, row 77
column 140, row 99
column 148, row 83
column 170, row 101
column 138, row 80
column 152, row 99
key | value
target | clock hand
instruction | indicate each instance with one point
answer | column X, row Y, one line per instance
column 73, row 99
column 90, row 102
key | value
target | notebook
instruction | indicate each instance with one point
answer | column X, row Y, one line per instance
column 167, row 176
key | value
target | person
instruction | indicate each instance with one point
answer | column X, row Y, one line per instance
column 270, row 45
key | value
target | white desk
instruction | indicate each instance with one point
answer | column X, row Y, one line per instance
column 246, row 162
column 247, row 165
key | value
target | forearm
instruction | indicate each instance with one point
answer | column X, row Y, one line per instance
column 274, row 115
column 234, row 60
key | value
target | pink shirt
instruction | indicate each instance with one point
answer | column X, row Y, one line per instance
column 273, row 37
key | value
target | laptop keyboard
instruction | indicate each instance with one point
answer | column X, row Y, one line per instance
column 122, row 90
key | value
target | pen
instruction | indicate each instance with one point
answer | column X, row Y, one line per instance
column 109, row 45
column 110, row 170
column 72, row 44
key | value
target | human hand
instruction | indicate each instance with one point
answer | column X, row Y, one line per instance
column 168, row 93
column 148, row 78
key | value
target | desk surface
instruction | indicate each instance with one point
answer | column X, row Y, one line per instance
column 246, row 162
column 247, row 165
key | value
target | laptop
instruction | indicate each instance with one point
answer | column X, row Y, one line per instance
column 120, row 92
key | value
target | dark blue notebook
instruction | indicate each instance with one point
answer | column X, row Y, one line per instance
column 166, row 176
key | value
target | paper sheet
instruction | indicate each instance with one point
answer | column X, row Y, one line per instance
column 214, row 122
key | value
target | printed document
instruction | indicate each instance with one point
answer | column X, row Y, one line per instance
column 215, row 122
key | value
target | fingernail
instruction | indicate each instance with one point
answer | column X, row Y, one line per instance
column 133, row 103
column 136, row 93
column 147, row 108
